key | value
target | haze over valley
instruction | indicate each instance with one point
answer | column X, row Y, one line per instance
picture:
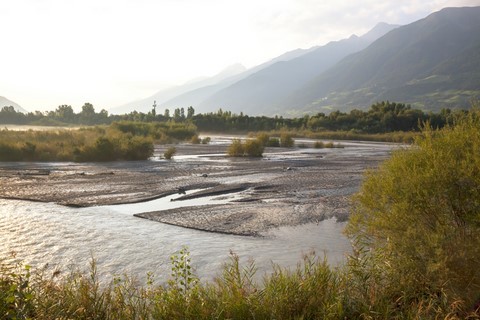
column 424, row 55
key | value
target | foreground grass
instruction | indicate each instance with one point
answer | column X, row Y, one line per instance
column 314, row 290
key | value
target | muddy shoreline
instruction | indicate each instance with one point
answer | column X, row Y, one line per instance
column 286, row 187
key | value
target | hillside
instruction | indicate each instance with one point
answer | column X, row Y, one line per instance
column 145, row 105
column 431, row 63
column 4, row 102
column 190, row 93
column 261, row 91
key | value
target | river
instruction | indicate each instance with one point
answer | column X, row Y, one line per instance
column 61, row 237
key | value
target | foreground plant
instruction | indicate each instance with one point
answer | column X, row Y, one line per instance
column 416, row 225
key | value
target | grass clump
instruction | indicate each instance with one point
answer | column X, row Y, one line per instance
column 195, row 139
column 321, row 145
column 88, row 144
column 169, row 153
column 206, row 140
column 286, row 140
column 119, row 141
column 249, row 148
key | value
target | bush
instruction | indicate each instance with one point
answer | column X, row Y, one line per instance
column 286, row 140
column 9, row 152
column 417, row 219
column 137, row 148
column 236, row 148
column 273, row 142
column 104, row 150
column 206, row 140
column 169, row 153
column 319, row 145
column 195, row 139
column 263, row 138
column 251, row 148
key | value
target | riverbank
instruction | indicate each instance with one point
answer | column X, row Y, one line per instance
column 287, row 187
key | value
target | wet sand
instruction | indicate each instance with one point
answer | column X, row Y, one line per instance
column 286, row 187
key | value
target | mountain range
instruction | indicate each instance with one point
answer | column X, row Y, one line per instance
column 255, row 90
column 197, row 90
column 431, row 63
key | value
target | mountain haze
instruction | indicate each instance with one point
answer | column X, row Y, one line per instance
column 4, row 102
column 145, row 105
column 196, row 90
column 267, row 88
column 195, row 97
column 431, row 63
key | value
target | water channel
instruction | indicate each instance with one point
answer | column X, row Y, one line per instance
column 49, row 234
column 46, row 233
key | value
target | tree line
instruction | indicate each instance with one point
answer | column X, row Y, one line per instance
column 381, row 117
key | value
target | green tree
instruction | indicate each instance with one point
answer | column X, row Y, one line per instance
column 87, row 115
column 418, row 217
column 65, row 113
column 190, row 112
column 177, row 115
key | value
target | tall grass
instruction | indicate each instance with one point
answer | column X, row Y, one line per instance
column 120, row 141
column 312, row 290
column 399, row 136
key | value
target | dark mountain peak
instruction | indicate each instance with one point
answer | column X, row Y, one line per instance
column 431, row 62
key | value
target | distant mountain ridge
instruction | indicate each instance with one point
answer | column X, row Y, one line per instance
column 267, row 88
column 207, row 95
column 145, row 105
column 431, row 63
column 195, row 97
column 181, row 96
column 4, row 102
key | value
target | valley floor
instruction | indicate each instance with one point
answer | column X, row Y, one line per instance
column 286, row 187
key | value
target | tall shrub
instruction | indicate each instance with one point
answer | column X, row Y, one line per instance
column 418, row 216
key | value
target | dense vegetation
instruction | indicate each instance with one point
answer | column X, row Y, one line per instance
column 255, row 146
column 416, row 233
column 416, row 221
column 382, row 117
column 119, row 141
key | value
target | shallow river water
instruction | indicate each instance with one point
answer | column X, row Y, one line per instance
column 46, row 233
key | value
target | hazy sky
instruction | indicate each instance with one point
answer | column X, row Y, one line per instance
column 109, row 52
